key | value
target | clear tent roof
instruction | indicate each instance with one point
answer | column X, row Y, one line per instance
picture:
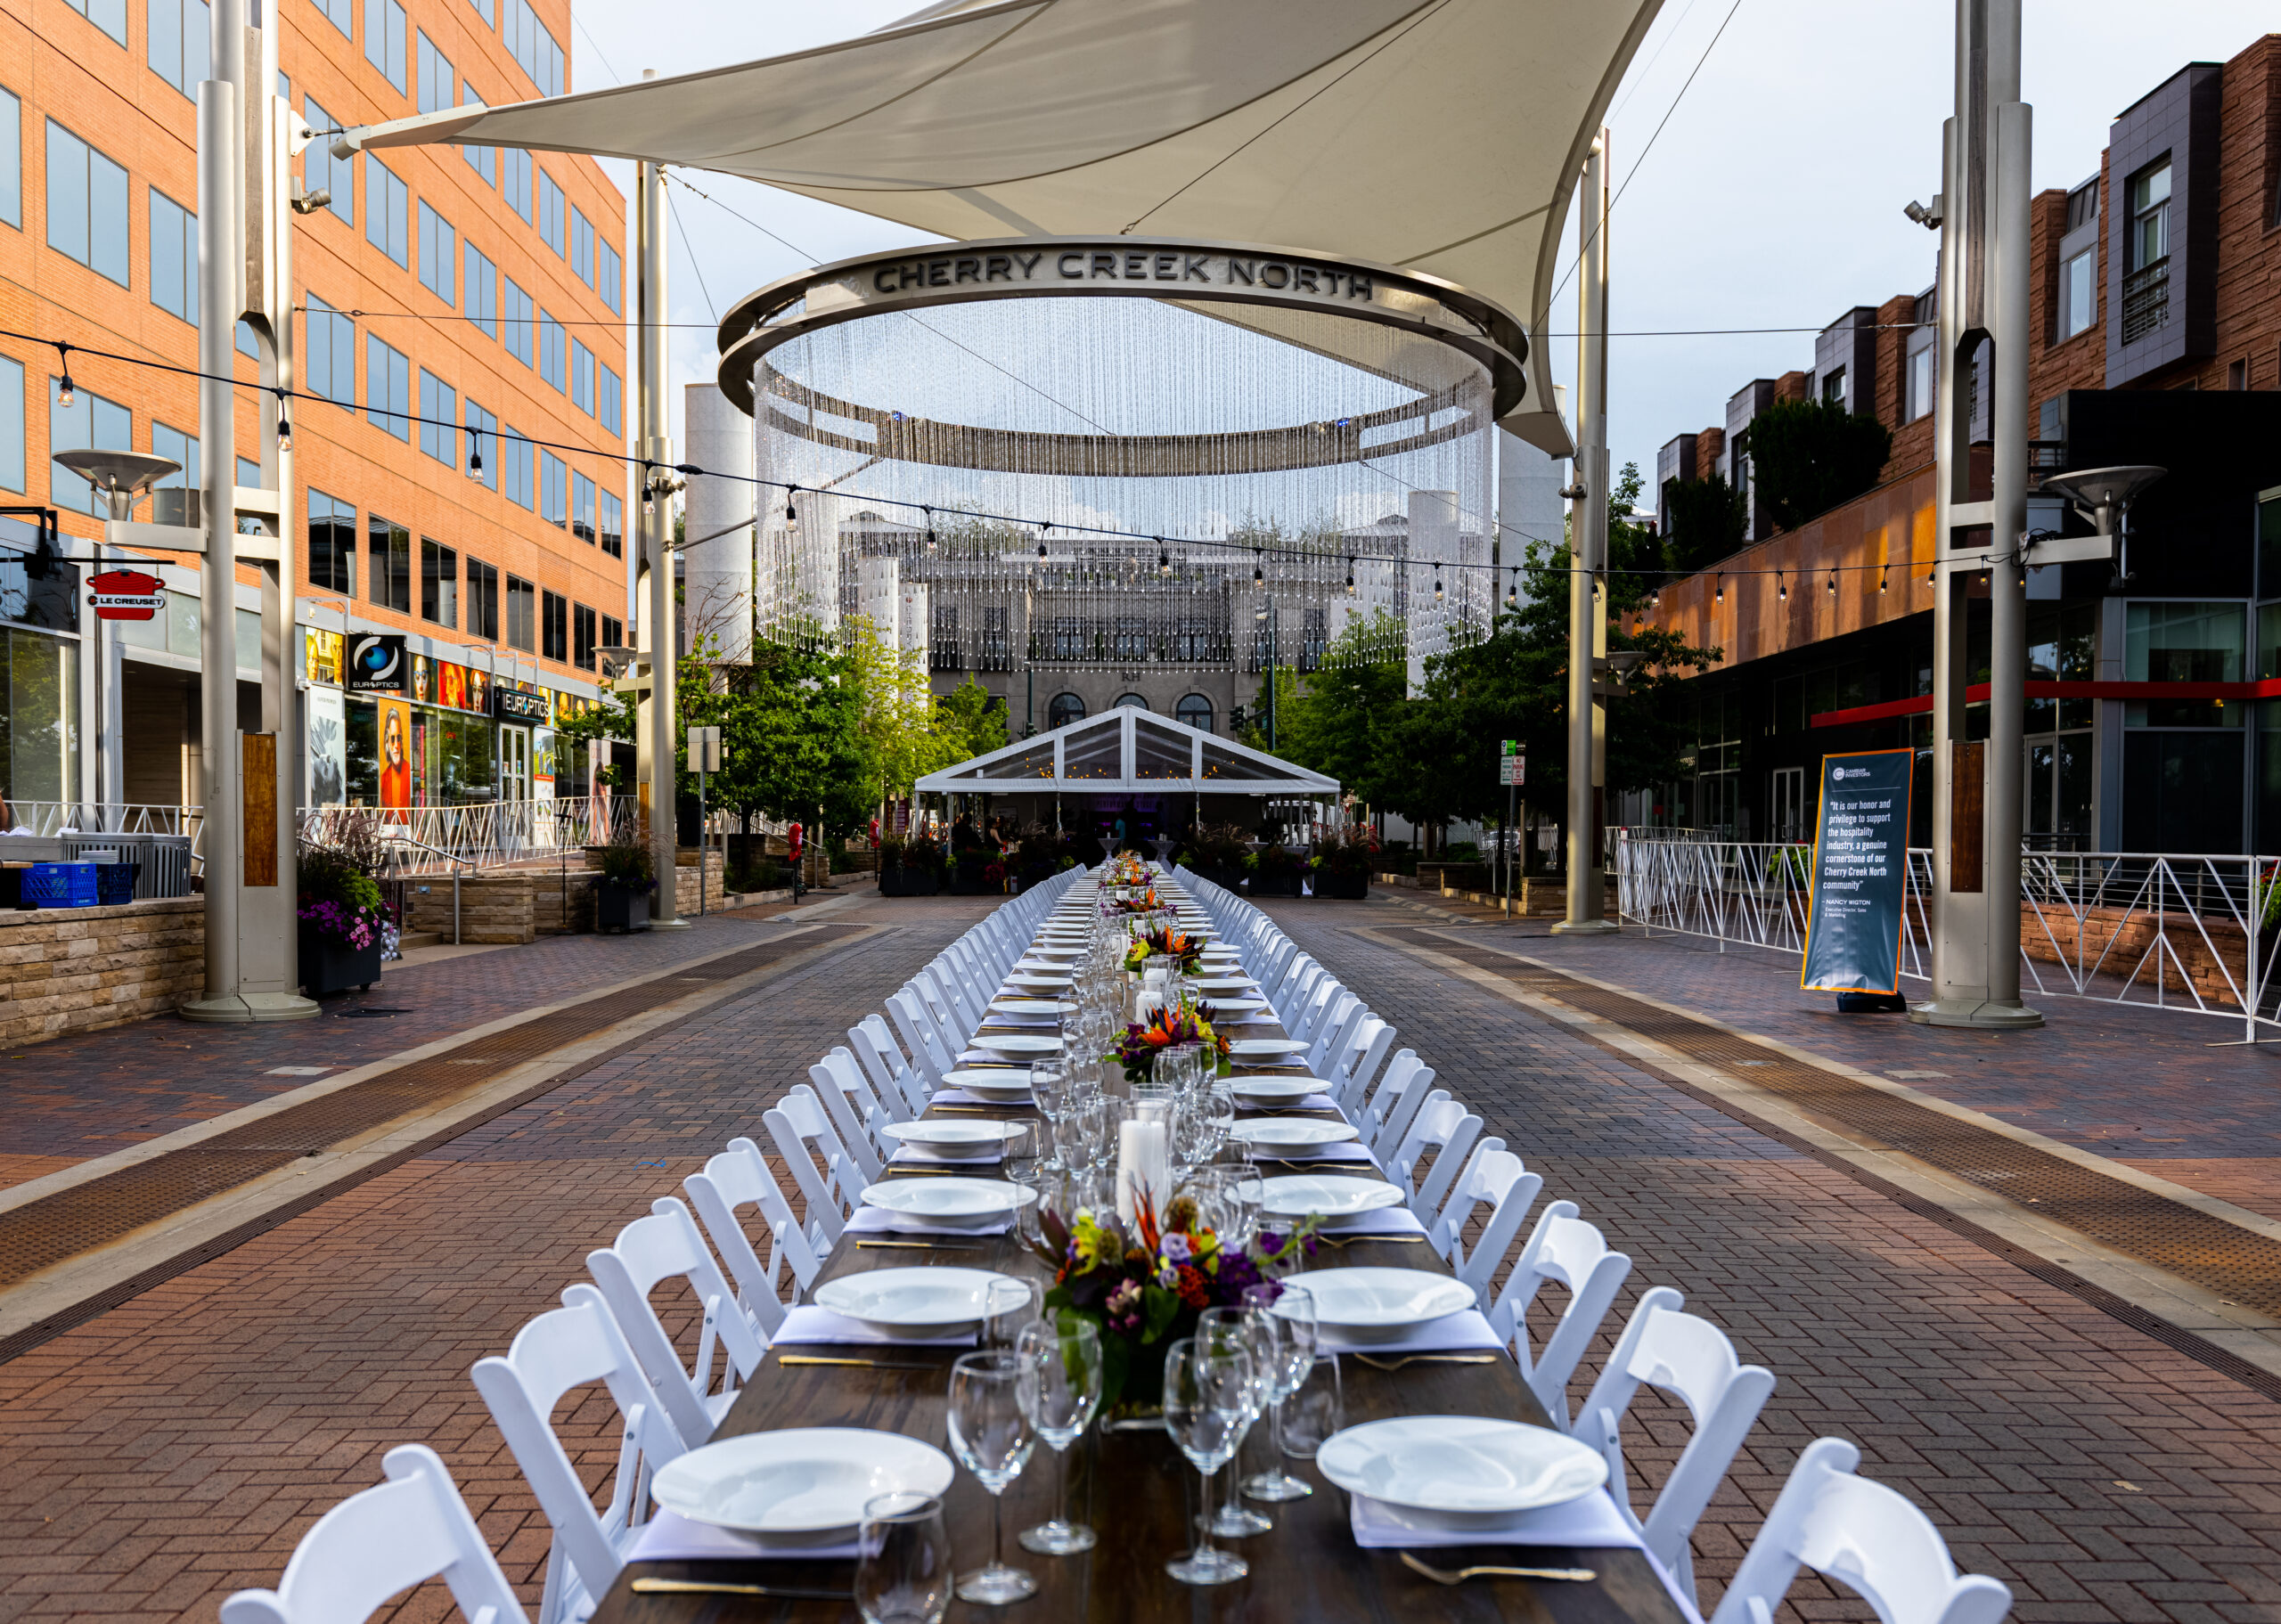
column 1129, row 750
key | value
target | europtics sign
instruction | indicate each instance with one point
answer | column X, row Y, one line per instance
column 376, row 665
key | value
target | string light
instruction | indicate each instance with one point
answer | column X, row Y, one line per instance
column 1163, row 560
column 1437, row 584
column 930, row 512
column 1721, row 595
column 1258, row 570
column 1781, row 587
column 1513, row 594
column 474, row 454
column 1833, row 583
column 64, row 395
column 791, row 512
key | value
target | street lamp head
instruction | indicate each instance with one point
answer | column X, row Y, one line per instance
column 122, row 476
column 2093, row 488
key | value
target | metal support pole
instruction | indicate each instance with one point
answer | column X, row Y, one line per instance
column 221, row 172
column 656, row 533
column 1587, row 555
column 1983, row 299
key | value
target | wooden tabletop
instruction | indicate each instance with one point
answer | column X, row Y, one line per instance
column 1137, row 1490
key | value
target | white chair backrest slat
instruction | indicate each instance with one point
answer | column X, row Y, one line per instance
column 662, row 1246
column 736, row 1178
column 1563, row 1248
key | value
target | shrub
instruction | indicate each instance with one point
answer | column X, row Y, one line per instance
column 626, row 862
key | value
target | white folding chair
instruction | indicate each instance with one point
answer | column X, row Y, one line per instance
column 1385, row 1115
column 737, row 1177
column 1443, row 1126
column 382, row 1540
column 900, row 1088
column 1331, row 1033
column 656, row 1248
column 856, row 1116
column 914, row 1023
column 1493, row 1179
column 1350, row 1073
column 570, row 1347
column 1690, row 1358
column 1867, row 1536
column 1565, row 1248
column 831, row 1185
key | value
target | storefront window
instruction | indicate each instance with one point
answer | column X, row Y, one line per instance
column 363, row 748
column 42, row 733
column 2184, row 642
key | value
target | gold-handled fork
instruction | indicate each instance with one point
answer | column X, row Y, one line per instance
column 691, row 1586
column 1428, row 1358
column 1443, row 1576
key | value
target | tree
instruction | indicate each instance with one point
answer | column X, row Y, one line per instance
column 1709, row 520
column 1808, row 456
column 1328, row 722
column 969, row 720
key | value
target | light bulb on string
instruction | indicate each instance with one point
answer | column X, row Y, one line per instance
column 285, row 434
column 1437, row 584
column 1781, row 587
column 1258, row 570
column 1883, row 571
column 1163, row 560
column 64, row 396
column 1349, row 577
column 1720, row 595
column 1833, row 580
column 791, row 510
column 1513, row 594
column 930, row 512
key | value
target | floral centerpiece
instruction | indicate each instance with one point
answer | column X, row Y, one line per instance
column 1128, row 870
column 1143, row 1041
column 1164, row 942
column 1144, row 1283
column 1145, row 902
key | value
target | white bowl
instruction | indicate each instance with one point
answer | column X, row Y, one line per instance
column 1460, row 1466
column 802, row 1480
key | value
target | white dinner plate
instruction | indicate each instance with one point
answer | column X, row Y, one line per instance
column 1019, row 1043
column 971, row 1203
column 802, row 1480
column 1032, row 1006
column 1039, row 975
column 1326, row 1195
column 1460, row 1466
column 1277, row 1088
column 1235, row 1006
column 1239, row 1048
column 1003, row 1087
column 1291, row 1132
column 954, row 1134
column 914, row 1300
column 1223, row 983
column 1365, row 1301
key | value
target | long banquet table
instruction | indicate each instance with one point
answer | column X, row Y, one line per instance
column 1137, row 1490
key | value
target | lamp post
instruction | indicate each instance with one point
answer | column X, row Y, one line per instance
column 120, row 477
column 659, row 484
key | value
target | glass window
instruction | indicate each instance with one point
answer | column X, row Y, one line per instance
column 1063, row 709
column 89, row 423
column 2150, row 214
column 554, row 627
column 482, row 601
column 2269, row 544
column 582, row 637
column 332, row 544
column 482, row 445
column 532, row 47
column 550, row 213
column 1158, row 752
column 41, row 739
column 329, row 344
column 582, row 378
column 522, row 615
column 384, row 39
column 1195, row 711
column 582, row 508
column 2183, row 642
column 342, row 14
column 553, row 488
column 582, row 247
column 481, row 278
column 438, row 255
column 12, row 160
column 11, row 424
column 173, row 258
column 1833, row 386
column 606, row 284
column 1921, row 374
column 515, row 172
column 179, row 447
column 388, row 564
column 611, row 522
column 607, row 406
column 440, row 584
column 551, row 365
column 483, row 9
column 437, row 86
column 439, row 416
column 320, row 171
column 483, row 160
column 388, row 387
column 515, row 469
column 387, row 212
column 518, row 321
column 179, row 35
column 86, row 205
column 109, row 15
column 2079, row 301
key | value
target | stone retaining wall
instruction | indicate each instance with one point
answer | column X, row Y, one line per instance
column 77, row 969
column 492, row 907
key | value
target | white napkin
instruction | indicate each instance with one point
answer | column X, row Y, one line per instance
column 669, row 1538
column 1466, row 1331
column 877, row 1221
column 1009, row 1017
column 1306, row 1102
column 811, row 1324
column 1385, row 1221
column 926, row 1156
column 1590, row 1521
column 1345, row 1150
column 960, row 1097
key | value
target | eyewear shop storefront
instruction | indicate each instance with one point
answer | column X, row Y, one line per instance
column 405, row 729
column 39, row 676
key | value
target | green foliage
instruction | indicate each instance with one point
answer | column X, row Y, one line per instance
column 1709, row 519
column 626, row 862
column 967, row 720
column 1810, row 455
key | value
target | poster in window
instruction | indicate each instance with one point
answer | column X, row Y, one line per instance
column 395, row 754
column 479, row 692
column 451, row 685
column 423, row 679
column 328, row 724
column 542, row 763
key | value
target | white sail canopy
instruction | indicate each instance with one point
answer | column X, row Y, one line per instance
column 1128, row 751
column 1440, row 136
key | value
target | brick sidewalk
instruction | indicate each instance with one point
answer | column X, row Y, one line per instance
column 157, row 1457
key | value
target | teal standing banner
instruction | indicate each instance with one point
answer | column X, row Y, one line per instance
column 1860, row 878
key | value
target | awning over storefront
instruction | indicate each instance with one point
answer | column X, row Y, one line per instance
column 1128, row 751
column 1443, row 136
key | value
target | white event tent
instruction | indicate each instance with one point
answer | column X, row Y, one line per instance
column 1443, row 136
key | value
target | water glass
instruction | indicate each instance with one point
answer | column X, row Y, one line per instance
column 1286, row 1347
column 1008, row 1305
column 1316, row 1409
column 1241, row 1328
column 1067, row 1394
column 903, row 1575
column 990, row 1433
column 1049, row 1088
column 1207, row 1406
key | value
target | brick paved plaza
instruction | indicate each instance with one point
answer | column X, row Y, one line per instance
column 171, row 1449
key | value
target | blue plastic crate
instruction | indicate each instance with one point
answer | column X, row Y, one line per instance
column 59, row 885
column 115, row 883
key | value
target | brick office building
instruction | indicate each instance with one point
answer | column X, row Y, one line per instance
column 481, row 290
column 2154, row 703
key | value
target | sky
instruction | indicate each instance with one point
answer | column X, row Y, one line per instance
column 1771, row 197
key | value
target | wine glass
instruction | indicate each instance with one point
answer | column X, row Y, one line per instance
column 989, row 1417
column 1049, row 1088
column 1288, row 1341
column 1008, row 1305
column 1068, row 1393
column 1316, row 1409
column 1207, row 1405
column 903, row 1575
column 1238, row 1328
column 1019, row 1156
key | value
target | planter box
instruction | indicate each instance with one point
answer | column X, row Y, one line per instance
column 907, row 882
column 329, row 967
column 1342, row 887
column 1284, row 883
column 620, row 906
